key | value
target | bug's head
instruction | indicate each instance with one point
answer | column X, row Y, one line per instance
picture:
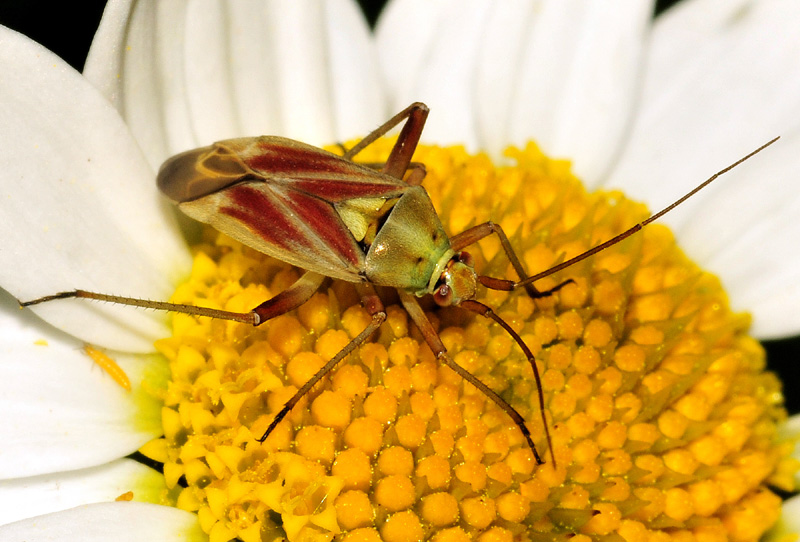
column 458, row 281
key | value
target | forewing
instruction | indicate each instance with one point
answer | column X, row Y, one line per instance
column 312, row 170
column 286, row 207
column 292, row 227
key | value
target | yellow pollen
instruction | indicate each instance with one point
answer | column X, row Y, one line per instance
column 354, row 509
column 478, row 512
column 396, row 460
column 411, row 430
column 395, row 492
column 365, row 434
column 331, row 409
column 402, row 527
column 381, row 405
column 365, row 534
column 440, row 509
column 512, row 507
column 663, row 422
column 354, row 468
column 435, row 470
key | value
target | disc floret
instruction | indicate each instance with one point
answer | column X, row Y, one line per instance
column 662, row 418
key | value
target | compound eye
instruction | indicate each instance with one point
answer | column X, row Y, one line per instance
column 443, row 296
column 466, row 258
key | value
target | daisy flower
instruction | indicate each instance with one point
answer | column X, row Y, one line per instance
column 663, row 421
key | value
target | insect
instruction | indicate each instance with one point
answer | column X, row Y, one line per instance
column 333, row 217
column 108, row 365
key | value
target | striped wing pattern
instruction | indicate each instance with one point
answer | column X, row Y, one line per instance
column 288, row 209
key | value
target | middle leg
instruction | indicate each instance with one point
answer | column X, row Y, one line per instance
column 374, row 306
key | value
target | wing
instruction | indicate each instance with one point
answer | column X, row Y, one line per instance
column 312, row 170
column 280, row 197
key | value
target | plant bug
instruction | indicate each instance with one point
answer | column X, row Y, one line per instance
column 373, row 226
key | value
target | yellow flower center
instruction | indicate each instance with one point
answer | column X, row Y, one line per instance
column 663, row 420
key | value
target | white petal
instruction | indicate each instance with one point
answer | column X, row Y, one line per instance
column 788, row 525
column 404, row 35
column 747, row 233
column 251, row 75
column 303, row 69
column 738, row 88
column 790, row 431
column 358, row 101
column 119, row 521
column 430, row 54
column 562, row 73
column 577, row 80
column 136, row 60
column 192, row 73
column 104, row 62
column 60, row 410
column 80, row 209
column 28, row 497
column 686, row 26
column 446, row 79
column 506, row 30
column 208, row 63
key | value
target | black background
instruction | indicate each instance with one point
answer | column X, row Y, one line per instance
column 67, row 29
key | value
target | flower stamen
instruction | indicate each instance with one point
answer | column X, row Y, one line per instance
column 663, row 420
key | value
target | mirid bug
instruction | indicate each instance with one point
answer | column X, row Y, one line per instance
column 333, row 217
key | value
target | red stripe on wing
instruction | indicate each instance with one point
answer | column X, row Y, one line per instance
column 324, row 221
column 317, row 172
column 279, row 156
column 264, row 216
column 307, row 227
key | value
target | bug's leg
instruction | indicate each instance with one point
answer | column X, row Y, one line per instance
column 403, row 150
column 476, row 233
column 289, row 299
column 417, row 175
column 375, row 308
column 432, row 338
column 285, row 301
column 484, row 310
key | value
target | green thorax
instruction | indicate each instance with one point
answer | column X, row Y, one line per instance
column 411, row 248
